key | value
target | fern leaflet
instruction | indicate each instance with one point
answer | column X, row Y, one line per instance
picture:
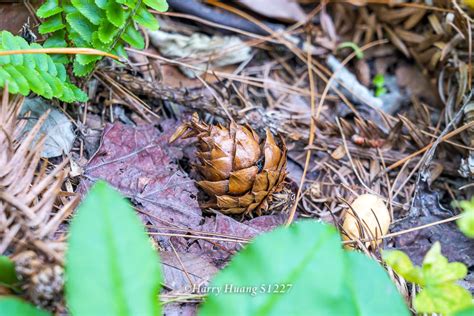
column 106, row 25
column 34, row 72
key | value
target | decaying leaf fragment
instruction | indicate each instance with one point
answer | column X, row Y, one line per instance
column 367, row 218
column 239, row 174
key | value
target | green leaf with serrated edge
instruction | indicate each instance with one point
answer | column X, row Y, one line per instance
column 145, row 18
column 158, row 5
column 116, row 14
column 97, row 44
column 68, row 94
column 107, row 229
column 133, row 37
column 82, row 70
column 438, row 277
column 61, row 59
column 466, row 222
column 437, row 270
column 12, row 85
column 13, row 306
column 79, row 95
column 55, row 40
column 402, row 264
column 107, row 32
column 58, row 39
column 101, row 3
column 49, row 8
column 77, row 39
column 8, row 275
column 443, row 299
column 52, row 24
column 82, row 26
column 10, row 43
column 19, row 77
column 314, row 277
column 41, row 60
column 89, row 9
column 87, row 59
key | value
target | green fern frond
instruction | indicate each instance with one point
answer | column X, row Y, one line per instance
column 34, row 72
column 107, row 25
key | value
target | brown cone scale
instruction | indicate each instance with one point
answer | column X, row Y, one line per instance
column 239, row 173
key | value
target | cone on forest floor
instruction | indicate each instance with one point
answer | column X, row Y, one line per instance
column 239, row 173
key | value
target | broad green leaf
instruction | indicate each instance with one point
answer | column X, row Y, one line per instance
column 82, row 26
column 111, row 267
column 48, row 8
column 89, row 9
column 445, row 299
column 145, row 18
column 52, row 24
column 8, row 275
column 466, row 223
column 158, row 5
column 301, row 270
column 13, row 306
column 133, row 37
column 366, row 278
column 116, row 14
column 466, row 312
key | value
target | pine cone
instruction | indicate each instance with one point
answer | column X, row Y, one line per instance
column 239, row 174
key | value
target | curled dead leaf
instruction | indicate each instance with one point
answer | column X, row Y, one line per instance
column 367, row 218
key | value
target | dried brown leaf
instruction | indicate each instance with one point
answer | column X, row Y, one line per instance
column 139, row 163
